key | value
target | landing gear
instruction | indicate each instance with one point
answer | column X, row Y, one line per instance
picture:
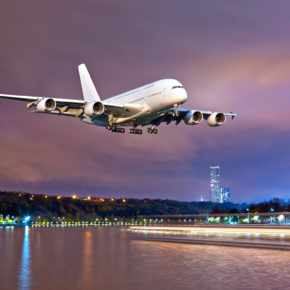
column 175, row 112
column 119, row 130
column 115, row 129
column 152, row 130
column 135, row 131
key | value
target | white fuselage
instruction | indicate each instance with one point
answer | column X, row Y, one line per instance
column 145, row 103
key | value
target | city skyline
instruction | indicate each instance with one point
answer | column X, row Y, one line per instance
column 218, row 193
column 229, row 57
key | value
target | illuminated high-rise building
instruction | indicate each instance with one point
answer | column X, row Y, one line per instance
column 215, row 188
column 225, row 194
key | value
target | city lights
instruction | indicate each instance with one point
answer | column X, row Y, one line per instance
column 255, row 218
column 26, row 219
column 281, row 218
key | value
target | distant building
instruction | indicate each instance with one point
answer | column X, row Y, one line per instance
column 215, row 188
column 217, row 193
column 225, row 194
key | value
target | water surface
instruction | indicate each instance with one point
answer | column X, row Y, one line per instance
column 105, row 258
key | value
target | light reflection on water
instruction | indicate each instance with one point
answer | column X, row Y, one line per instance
column 24, row 271
column 257, row 237
column 104, row 258
column 251, row 234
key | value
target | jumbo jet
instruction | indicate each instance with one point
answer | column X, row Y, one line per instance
column 149, row 105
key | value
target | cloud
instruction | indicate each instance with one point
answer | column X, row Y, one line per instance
column 229, row 57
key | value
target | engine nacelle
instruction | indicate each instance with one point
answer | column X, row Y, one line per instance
column 94, row 108
column 45, row 105
column 193, row 118
column 216, row 119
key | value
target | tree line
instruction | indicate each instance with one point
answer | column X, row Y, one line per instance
column 37, row 205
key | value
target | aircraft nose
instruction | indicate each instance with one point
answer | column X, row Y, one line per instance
column 182, row 96
column 178, row 94
column 185, row 95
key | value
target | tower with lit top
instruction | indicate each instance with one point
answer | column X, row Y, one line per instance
column 215, row 188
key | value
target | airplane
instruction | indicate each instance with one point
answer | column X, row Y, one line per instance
column 149, row 105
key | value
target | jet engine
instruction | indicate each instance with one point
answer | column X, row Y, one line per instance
column 94, row 108
column 193, row 118
column 45, row 105
column 216, row 119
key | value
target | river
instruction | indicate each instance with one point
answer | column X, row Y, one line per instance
column 107, row 258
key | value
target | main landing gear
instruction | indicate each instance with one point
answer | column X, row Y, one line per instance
column 152, row 130
column 135, row 131
column 115, row 129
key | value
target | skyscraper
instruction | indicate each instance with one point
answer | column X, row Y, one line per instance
column 225, row 194
column 215, row 188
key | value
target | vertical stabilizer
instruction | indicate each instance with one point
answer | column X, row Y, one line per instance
column 90, row 93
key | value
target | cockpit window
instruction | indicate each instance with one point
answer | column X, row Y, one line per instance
column 178, row 87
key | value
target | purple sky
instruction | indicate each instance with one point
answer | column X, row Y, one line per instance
column 230, row 56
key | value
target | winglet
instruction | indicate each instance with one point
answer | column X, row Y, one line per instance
column 90, row 93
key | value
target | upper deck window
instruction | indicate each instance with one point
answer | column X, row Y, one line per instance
column 180, row 87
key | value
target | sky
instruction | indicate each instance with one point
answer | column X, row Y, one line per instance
column 231, row 56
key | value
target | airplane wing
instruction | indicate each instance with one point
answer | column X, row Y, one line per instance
column 19, row 98
column 30, row 99
column 180, row 114
column 78, row 108
column 206, row 114
column 91, row 105
column 72, row 107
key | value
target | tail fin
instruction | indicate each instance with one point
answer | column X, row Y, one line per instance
column 90, row 93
